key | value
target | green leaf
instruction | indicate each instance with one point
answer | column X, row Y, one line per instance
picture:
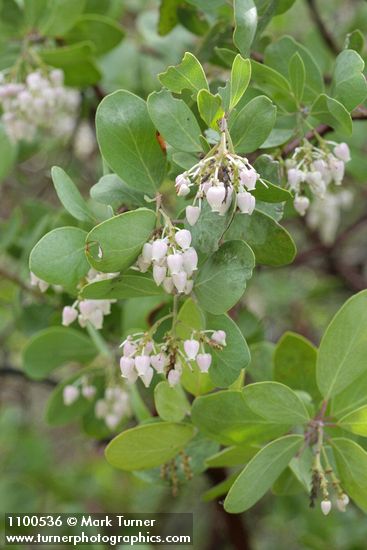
column 131, row 284
column 349, row 83
column 332, row 112
column 190, row 318
column 192, row 20
column 187, row 75
column 148, row 445
column 252, row 125
column 278, row 55
column 351, row 461
column 210, row 108
column 343, row 348
column 245, row 16
column 235, row 356
column 175, row 121
column 232, row 456
column 54, row 347
column 271, row 193
column 295, row 363
column 60, row 16
column 171, row 403
column 353, row 396
column 167, row 16
column 355, row 421
column 297, row 76
column 222, row 279
column 240, row 78
column 127, row 139
column 76, row 61
column 59, row 258
column 69, row 195
column 273, row 84
column 355, row 41
column 225, row 417
column 276, row 402
column 115, row 244
column 261, row 472
column 271, row 243
column 103, row 32
column 111, row 190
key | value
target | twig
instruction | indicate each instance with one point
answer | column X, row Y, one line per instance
column 325, row 33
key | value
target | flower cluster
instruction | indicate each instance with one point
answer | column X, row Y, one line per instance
column 315, row 168
column 43, row 285
column 217, row 179
column 142, row 356
column 80, row 388
column 114, row 406
column 173, row 259
column 42, row 102
column 92, row 311
column 324, row 215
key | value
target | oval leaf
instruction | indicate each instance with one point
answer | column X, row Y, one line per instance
column 69, row 195
column 171, row 403
column 252, row 125
column 129, row 285
column 351, row 461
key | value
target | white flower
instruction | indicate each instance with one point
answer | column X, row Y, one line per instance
column 301, row 204
column 175, row 263
column 88, row 392
column 192, row 214
column 227, row 203
column 69, row 315
column 215, row 197
column 36, row 281
column 182, row 180
column 70, row 394
column 191, row 348
column 337, row 169
column 168, row 285
column 248, row 178
column 190, row 261
column 159, row 274
column 126, row 366
column 316, row 182
column 295, row 177
column 246, row 202
column 342, row 502
column 128, row 348
column 101, row 408
column 325, row 506
column 179, row 280
column 219, row 336
column 147, row 252
column 203, row 361
column 112, row 420
column 342, row 152
column 183, row 190
column 159, row 249
column 183, row 238
column 173, row 377
column 189, row 286
column 147, row 376
column 159, row 362
column 142, row 363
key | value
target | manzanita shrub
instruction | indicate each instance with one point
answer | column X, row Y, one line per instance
column 196, row 181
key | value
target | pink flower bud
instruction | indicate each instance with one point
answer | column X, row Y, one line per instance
column 112, row 420
column 88, row 392
column 316, row 182
column 337, row 169
column 147, row 377
column 342, row 152
column 246, row 202
column 183, row 238
column 203, row 361
column 159, row 362
column 129, row 348
column 96, row 318
column 180, row 280
column 126, row 366
column 183, row 190
column 325, row 507
column 70, row 394
column 101, row 408
column 159, row 273
column 295, row 177
column 173, row 377
column 168, row 285
column 191, row 348
column 342, row 503
column 215, row 197
column 190, row 261
column 248, row 178
column 301, row 204
column 69, row 315
column 142, row 363
column 219, row 336
column 175, row 263
column 192, row 214
column 159, row 249
column 182, row 180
